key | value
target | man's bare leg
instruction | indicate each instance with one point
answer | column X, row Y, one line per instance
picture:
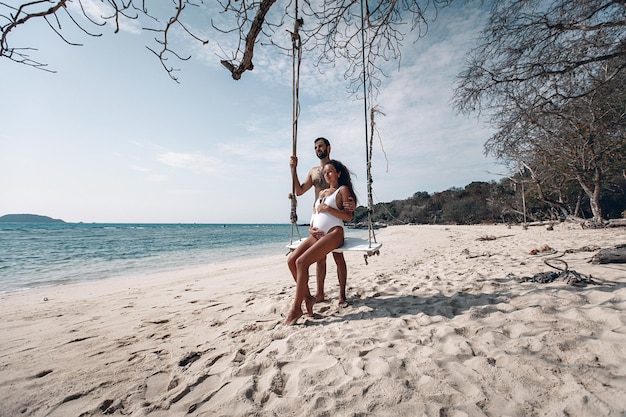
column 342, row 276
column 320, row 277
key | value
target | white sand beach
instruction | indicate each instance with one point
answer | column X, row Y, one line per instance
column 440, row 324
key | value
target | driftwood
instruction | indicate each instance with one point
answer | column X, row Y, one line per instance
column 616, row 254
column 616, row 223
column 491, row 237
column 548, row 223
column 583, row 249
column 591, row 224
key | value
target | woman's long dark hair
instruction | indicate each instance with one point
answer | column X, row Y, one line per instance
column 344, row 177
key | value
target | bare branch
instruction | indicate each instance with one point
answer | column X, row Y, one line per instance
column 333, row 29
column 546, row 48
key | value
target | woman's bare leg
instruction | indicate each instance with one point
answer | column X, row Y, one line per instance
column 293, row 256
column 303, row 261
column 296, row 310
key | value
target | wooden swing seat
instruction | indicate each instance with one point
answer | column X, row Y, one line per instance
column 350, row 244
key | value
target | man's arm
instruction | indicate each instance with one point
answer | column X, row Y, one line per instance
column 308, row 181
column 342, row 198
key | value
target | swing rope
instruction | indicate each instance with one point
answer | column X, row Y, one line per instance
column 368, row 137
column 296, row 61
column 296, row 47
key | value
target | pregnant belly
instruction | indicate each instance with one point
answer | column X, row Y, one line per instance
column 324, row 222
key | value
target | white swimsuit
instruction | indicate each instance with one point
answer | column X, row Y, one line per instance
column 326, row 221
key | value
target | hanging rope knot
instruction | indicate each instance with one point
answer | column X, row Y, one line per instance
column 293, row 215
column 295, row 35
column 295, row 41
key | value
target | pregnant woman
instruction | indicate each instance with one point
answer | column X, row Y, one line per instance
column 326, row 234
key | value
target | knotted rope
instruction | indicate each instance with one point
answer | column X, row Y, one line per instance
column 570, row 276
column 296, row 47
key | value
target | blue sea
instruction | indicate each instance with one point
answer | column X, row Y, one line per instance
column 46, row 254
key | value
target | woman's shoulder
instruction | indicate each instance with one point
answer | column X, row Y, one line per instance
column 338, row 190
column 342, row 192
column 346, row 193
column 326, row 192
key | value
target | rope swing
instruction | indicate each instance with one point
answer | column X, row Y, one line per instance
column 368, row 138
column 372, row 247
column 296, row 47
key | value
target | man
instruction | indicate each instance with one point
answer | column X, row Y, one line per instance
column 315, row 179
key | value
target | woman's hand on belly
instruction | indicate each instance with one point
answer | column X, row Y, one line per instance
column 315, row 232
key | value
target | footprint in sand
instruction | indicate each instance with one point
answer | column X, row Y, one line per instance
column 156, row 385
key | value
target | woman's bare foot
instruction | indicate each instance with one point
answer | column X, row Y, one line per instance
column 310, row 302
column 293, row 317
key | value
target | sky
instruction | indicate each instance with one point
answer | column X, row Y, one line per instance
column 110, row 138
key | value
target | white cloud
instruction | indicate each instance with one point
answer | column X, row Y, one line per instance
column 140, row 169
column 187, row 191
column 156, row 178
column 194, row 162
column 98, row 10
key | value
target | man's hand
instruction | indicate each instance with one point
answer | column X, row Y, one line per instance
column 349, row 205
column 293, row 161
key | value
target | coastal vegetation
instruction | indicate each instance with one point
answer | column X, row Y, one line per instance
column 505, row 201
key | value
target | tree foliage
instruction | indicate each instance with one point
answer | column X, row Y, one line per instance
column 479, row 202
column 545, row 51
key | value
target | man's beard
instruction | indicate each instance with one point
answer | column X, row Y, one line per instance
column 322, row 155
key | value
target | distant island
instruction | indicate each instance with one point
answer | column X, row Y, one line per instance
column 28, row 218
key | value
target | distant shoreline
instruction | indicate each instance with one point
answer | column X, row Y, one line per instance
column 28, row 218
